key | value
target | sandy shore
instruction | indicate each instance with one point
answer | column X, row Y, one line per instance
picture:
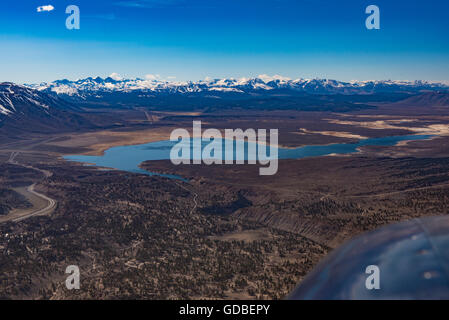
column 433, row 129
column 98, row 142
column 338, row 134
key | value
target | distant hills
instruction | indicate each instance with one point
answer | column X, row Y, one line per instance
column 435, row 99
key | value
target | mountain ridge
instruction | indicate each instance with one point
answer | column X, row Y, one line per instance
column 436, row 99
column 23, row 109
column 82, row 88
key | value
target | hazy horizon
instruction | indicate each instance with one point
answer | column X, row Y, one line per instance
column 188, row 40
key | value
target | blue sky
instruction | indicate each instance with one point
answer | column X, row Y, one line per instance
column 194, row 39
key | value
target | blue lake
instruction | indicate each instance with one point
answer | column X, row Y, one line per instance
column 128, row 158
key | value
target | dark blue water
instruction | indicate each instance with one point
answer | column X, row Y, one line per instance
column 128, row 158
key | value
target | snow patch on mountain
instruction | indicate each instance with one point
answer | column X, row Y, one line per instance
column 63, row 89
column 4, row 111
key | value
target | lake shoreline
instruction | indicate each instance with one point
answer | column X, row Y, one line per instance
column 130, row 157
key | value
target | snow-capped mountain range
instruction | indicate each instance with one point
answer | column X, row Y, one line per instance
column 25, row 109
column 261, row 84
column 12, row 95
column 16, row 99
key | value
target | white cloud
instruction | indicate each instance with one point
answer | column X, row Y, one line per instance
column 152, row 76
column 115, row 76
column 48, row 7
column 267, row 78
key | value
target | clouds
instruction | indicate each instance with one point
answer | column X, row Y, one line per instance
column 152, row 76
column 115, row 76
column 148, row 77
column 158, row 77
column 266, row 78
column 47, row 8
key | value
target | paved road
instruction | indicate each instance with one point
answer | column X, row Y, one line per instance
column 48, row 209
column 51, row 203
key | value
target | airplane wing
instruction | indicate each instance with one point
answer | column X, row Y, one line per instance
column 412, row 259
